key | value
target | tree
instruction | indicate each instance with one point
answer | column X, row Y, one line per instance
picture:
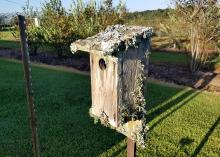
column 35, row 38
column 84, row 19
column 201, row 21
column 1, row 21
column 108, row 5
column 28, row 10
column 88, row 19
column 0, row 26
column 56, row 26
column 109, row 15
column 122, row 10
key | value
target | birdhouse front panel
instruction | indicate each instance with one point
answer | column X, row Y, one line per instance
column 104, row 82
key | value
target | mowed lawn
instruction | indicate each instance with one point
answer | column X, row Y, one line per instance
column 182, row 122
column 8, row 41
column 169, row 58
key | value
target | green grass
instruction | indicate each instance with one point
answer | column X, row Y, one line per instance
column 8, row 41
column 171, row 58
column 182, row 122
column 217, row 62
column 7, row 35
column 9, row 44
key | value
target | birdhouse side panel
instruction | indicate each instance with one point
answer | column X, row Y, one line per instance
column 134, row 65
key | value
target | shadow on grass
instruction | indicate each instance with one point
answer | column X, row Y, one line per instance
column 16, row 148
column 184, row 142
column 72, row 132
column 205, row 139
column 166, row 102
column 118, row 151
column 163, row 108
column 178, row 105
column 62, row 102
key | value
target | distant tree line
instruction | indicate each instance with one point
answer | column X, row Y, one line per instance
column 149, row 14
column 195, row 21
column 151, row 18
column 193, row 25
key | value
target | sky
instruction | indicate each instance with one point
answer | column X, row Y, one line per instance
column 7, row 6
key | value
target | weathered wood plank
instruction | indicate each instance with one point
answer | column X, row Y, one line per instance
column 104, row 89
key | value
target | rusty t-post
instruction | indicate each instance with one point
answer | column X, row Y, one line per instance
column 131, row 148
column 28, row 83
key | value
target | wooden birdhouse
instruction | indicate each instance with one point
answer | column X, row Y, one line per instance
column 119, row 65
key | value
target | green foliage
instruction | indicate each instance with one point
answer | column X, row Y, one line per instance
column 55, row 24
column 1, row 19
column 182, row 122
column 8, row 40
column 150, row 18
column 89, row 19
column 84, row 20
column 35, row 39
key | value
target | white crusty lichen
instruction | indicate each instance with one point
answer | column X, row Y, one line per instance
column 119, row 37
column 113, row 40
column 113, row 43
column 134, row 115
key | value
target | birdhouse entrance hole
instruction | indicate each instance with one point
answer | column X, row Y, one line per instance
column 102, row 64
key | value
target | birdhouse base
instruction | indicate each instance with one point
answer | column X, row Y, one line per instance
column 134, row 130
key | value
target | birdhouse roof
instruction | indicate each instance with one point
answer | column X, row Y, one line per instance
column 114, row 39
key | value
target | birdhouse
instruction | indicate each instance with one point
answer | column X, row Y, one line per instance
column 119, row 65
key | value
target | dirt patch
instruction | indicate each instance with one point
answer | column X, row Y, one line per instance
column 174, row 74
column 181, row 75
column 174, row 50
column 80, row 62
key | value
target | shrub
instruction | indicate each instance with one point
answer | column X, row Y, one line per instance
column 89, row 19
column 35, row 39
column 201, row 26
column 55, row 24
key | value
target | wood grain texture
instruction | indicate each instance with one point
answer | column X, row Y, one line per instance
column 104, row 89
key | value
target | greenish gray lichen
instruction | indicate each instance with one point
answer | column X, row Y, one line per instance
column 139, row 112
column 112, row 44
column 114, row 39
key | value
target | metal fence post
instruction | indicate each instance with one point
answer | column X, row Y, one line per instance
column 28, row 83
